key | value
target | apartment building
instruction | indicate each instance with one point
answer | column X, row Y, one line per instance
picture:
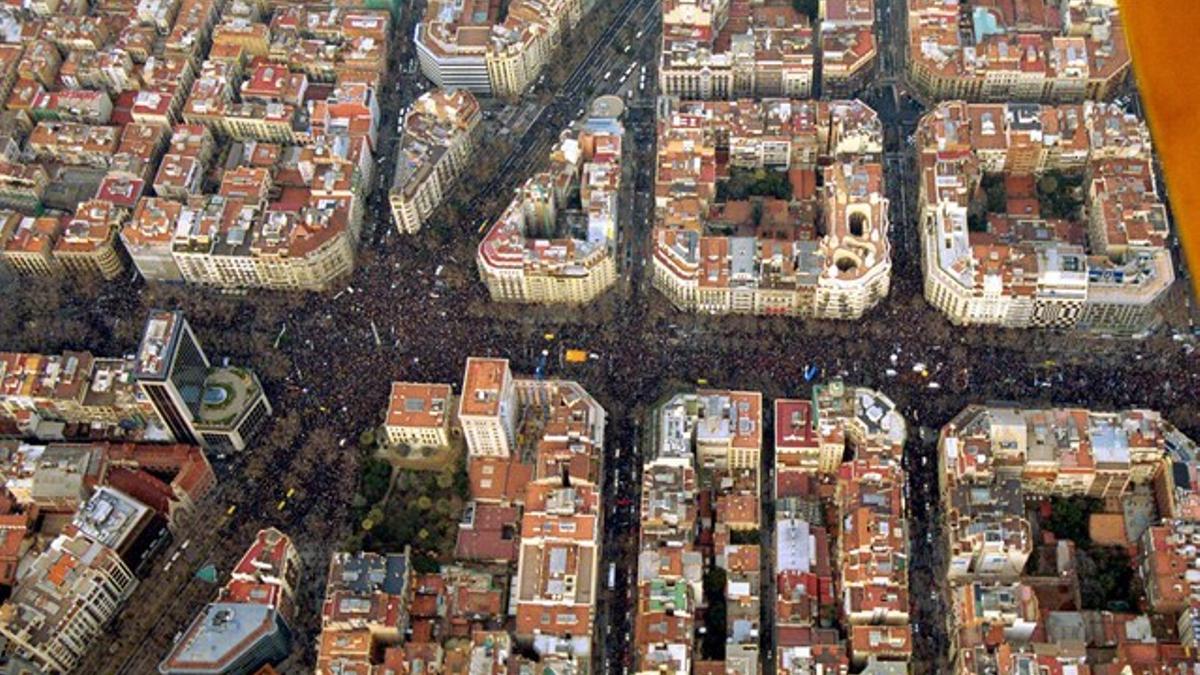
column 87, row 245
column 64, row 601
column 437, row 143
column 723, row 427
column 73, row 143
column 740, row 226
column 247, row 626
column 848, row 49
column 73, row 388
column 1103, row 269
column 418, row 415
column 487, row 409
column 980, row 50
column 292, row 226
column 989, row 614
column 22, row 186
column 542, row 251
column 465, row 45
column 367, row 597
column 27, row 244
column 729, row 49
column 558, row 569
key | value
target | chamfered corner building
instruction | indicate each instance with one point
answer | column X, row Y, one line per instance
column 247, row 626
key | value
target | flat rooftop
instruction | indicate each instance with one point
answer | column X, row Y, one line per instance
column 482, row 386
column 418, row 404
column 158, row 344
column 219, row 635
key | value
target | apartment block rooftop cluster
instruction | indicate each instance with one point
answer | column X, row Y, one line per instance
column 1042, row 216
column 1001, row 467
column 848, row 49
column 840, row 505
column 365, row 614
column 537, row 445
column 528, row 543
column 465, row 45
column 993, row 457
column 229, row 146
column 79, row 521
column 699, row 551
column 734, row 48
column 729, row 49
column 548, row 248
column 1023, row 50
column 247, row 625
column 771, row 207
column 438, row 140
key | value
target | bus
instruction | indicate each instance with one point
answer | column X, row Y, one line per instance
column 612, row 576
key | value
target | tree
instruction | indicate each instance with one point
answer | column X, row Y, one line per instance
column 375, row 476
column 744, row 183
column 367, row 438
column 713, row 644
column 809, row 8
column 1058, row 194
column 1069, row 518
column 997, row 196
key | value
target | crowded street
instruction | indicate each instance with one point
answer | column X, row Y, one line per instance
column 414, row 309
column 323, row 368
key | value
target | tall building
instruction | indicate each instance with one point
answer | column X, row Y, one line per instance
column 218, row 408
column 64, row 601
column 248, row 624
column 172, row 368
column 487, row 409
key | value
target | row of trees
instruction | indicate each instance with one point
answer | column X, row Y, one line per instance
column 745, row 183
